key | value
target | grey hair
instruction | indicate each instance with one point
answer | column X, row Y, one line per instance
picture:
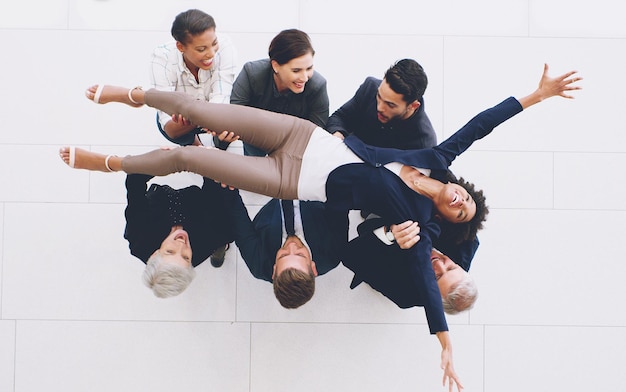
column 165, row 279
column 461, row 296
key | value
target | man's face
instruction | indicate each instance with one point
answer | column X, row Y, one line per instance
column 447, row 272
column 293, row 254
column 176, row 248
column 391, row 105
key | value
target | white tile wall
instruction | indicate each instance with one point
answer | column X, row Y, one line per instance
column 553, row 358
column 356, row 357
column 132, row 356
column 551, row 267
column 75, row 316
column 7, row 354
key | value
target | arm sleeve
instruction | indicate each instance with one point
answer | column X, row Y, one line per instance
column 248, row 239
column 161, row 75
column 224, row 77
column 136, row 212
column 342, row 120
column 426, row 282
column 477, row 128
column 319, row 106
column 242, row 90
column 426, row 127
column 462, row 254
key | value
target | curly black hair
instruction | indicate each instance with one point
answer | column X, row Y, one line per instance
column 459, row 232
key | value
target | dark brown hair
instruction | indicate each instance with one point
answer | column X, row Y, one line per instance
column 191, row 23
column 293, row 287
column 288, row 45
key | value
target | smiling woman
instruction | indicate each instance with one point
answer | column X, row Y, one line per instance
column 286, row 82
column 198, row 63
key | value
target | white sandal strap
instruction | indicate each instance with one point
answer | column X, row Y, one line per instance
column 96, row 96
column 130, row 96
column 106, row 162
column 72, row 156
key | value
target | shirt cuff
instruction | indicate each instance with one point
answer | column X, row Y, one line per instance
column 382, row 235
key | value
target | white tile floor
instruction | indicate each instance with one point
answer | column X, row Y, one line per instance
column 74, row 315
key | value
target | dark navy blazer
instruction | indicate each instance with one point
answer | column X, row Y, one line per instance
column 258, row 240
column 366, row 187
column 359, row 117
column 462, row 254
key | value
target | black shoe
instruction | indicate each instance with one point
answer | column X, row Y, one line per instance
column 217, row 258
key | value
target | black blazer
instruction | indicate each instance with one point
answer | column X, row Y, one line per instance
column 462, row 254
column 359, row 117
column 258, row 240
column 148, row 222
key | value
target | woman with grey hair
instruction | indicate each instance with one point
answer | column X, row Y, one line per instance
column 162, row 225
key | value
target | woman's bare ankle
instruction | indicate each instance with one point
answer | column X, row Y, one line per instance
column 136, row 96
column 104, row 94
column 82, row 159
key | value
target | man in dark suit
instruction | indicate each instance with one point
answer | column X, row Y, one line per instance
column 289, row 256
column 388, row 112
column 163, row 223
column 377, row 242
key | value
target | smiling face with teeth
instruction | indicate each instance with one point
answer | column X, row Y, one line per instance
column 294, row 74
column 176, row 248
column 455, row 204
column 199, row 50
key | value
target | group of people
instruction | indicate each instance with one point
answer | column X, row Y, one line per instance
column 377, row 153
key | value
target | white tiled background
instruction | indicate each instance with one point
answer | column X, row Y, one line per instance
column 550, row 317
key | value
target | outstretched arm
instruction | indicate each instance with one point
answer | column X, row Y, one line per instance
column 483, row 123
column 550, row 87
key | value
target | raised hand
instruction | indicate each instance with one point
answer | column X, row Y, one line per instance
column 552, row 86
column 559, row 85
